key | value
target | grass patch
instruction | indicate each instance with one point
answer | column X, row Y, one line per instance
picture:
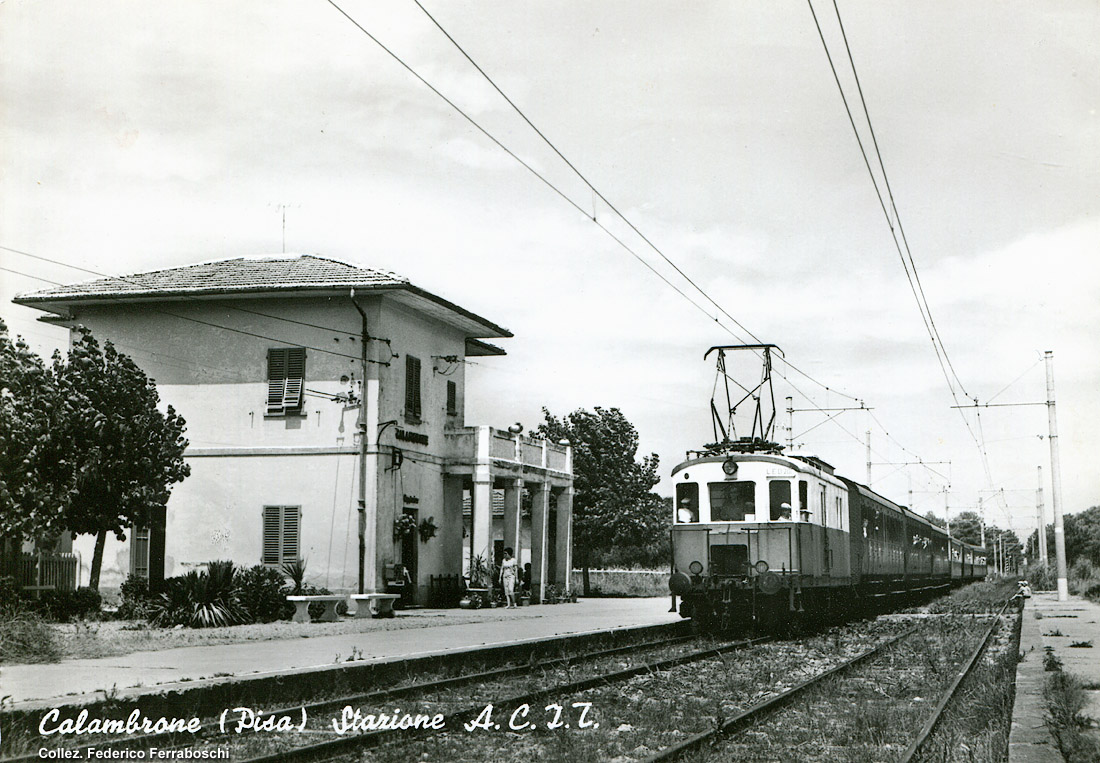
column 1065, row 698
column 26, row 637
column 624, row 583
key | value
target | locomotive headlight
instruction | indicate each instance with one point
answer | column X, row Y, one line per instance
column 761, row 567
column 729, row 466
column 695, row 568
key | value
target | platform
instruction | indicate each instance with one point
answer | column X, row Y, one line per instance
column 417, row 633
column 1048, row 622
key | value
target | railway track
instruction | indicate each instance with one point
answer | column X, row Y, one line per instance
column 469, row 715
column 214, row 730
column 730, row 729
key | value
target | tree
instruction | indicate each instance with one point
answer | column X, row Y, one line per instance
column 126, row 453
column 34, row 475
column 967, row 528
column 935, row 519
column 1082, row 534
column 612, row 502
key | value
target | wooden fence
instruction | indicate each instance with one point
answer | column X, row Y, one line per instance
column 43, row 571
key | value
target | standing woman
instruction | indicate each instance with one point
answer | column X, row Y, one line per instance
column 508, row 577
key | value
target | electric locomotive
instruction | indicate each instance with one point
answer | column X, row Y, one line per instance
column 769, row 538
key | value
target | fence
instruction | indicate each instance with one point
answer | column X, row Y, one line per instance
column 43, row 571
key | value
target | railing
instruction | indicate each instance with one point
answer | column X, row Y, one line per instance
column 463, row 446
column 43, row 571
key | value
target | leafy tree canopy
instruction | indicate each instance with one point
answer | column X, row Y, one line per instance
column 613, row 505
column 34, row 474
column 127, row 453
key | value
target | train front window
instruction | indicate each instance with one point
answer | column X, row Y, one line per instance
column 687, row 502
column 779, row 496
column 731, row 501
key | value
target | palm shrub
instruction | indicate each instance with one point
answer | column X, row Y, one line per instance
column 204, row 599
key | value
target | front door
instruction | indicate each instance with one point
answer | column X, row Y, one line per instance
column 410, row 547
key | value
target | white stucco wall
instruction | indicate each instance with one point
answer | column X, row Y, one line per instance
column 216, row 379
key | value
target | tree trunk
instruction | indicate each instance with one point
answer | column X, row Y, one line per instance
column 97, row 560
column 585, row 583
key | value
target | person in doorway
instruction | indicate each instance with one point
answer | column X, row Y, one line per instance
column 527, row 578
column 508, row 574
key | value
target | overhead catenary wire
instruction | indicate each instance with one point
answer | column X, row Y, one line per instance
column 231, row 329
column 595, row 191
column 599, row 194
column 909, row 265
column 126, row 279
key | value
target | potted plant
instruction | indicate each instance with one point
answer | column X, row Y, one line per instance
column 480, row 583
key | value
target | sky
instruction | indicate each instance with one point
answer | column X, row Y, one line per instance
column 137, row 136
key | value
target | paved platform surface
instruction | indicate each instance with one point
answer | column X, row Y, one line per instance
column 1058, row 625
column 142, row 672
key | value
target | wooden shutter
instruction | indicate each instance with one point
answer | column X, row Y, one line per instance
column 291, row 535
column 139, row 552
column 295, row 378
column 276, row 378
column 412, row 386
column 271, row 535
column 452, row 398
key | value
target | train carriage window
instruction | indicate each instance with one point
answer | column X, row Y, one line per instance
column 779, row 498
column 803, row 495
column 687, row 502
column 731, row 501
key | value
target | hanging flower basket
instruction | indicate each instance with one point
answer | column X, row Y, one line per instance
column 404, row 527
column 427, row 529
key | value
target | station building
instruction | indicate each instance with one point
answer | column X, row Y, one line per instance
column 325, row 404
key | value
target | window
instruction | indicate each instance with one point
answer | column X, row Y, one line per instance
column 687, row 502
column 286, row 373
column 731, row 501
column 282, row 536
column 803, row 500
column 779, row 498
column 412, row 387
column 452, row 399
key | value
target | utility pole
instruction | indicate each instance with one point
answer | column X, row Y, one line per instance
column 1041, row 540
column 868, row 458
column 981, row 518
column 946, row 510
column 1056, row 483
column 790, row 422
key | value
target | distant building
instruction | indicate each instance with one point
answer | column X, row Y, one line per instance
column 271, row 361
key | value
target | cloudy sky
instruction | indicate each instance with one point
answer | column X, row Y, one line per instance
column 136, row 136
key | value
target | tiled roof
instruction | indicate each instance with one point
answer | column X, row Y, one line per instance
column 243, row 274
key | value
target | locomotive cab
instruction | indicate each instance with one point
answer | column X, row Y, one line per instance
column 755, row 529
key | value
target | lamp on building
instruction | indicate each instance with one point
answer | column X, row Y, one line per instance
column 564, row 441
column 516, row 428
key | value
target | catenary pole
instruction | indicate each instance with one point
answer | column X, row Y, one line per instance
column 1056, row 482
column 868, row 458
column 981, row 519
column 1042, row 537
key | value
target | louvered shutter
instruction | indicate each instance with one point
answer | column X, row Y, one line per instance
column 271, row 535
column 291, row 523
column 276, row 379
column 412, row 386
column 295, row 378
column 452, row 398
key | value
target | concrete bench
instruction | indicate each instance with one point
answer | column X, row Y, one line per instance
column 301, row 607
column 374, row 604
